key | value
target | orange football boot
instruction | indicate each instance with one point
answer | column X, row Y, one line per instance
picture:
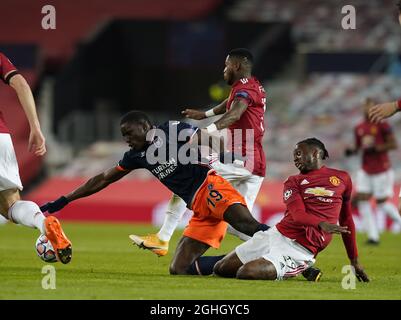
column 61, row 244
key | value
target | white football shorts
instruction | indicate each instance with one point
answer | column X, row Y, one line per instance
column 9, row 173
column 380, row 185
column 246, row 183
column 288, row 257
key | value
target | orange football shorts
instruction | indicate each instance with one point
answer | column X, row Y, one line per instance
column 210, row 202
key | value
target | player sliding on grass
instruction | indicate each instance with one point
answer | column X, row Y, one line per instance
column 316, row 199
column 170, row 152
column 243, row 109
column 26, row 213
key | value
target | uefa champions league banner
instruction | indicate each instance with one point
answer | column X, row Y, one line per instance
column 145, row 201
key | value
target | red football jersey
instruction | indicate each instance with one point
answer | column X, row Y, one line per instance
column 320, row 195
column 253, row 94
column 367, row 135
column 5, row 68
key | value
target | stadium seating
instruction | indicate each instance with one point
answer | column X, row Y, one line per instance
column 375, row 20
column 86, row 16
column 330, row 105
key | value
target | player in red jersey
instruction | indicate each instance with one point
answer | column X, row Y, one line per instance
column 316, row 199
column 375, row 178
column 243, row 110
column 12, row 207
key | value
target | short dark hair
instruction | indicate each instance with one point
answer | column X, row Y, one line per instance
column 241, row 53
column 317, row 143
column 135, row 117
column 399, row 6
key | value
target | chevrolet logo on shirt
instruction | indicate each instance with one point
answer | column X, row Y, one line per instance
column 319, row 191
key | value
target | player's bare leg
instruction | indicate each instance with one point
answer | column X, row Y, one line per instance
column 7, row 199
column 259, row 269
column 241, row 219
column 187, row 251
column 228, row 266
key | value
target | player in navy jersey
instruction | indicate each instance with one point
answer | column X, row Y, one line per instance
column 243, row 110
column 316, row 200
column 170, row 152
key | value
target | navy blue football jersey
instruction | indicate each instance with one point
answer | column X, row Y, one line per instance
column 170, row 159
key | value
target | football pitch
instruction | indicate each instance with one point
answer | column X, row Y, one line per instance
column 106, row 265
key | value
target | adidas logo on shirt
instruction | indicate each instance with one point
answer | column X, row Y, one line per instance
column 304, row 181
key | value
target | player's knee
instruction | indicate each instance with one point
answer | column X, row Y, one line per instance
column 177, row 268
column 216, row 268
column 224, row 268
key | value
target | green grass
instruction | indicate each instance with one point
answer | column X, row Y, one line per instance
column 106, row 266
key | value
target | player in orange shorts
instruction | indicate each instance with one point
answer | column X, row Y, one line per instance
column 170, row 152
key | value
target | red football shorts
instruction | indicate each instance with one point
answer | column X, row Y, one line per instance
column 210, row 202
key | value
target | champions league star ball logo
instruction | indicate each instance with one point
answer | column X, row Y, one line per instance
column 287, row 194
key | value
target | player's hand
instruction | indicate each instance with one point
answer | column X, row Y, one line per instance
column 333, row 228
column 359, row 272
column 382, row 111
column 194, row 114
column 56, row 205
column 37, row 143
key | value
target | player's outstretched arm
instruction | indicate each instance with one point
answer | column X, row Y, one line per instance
column 199, row 115
column 349, row 239
column 238, row 107
column 93, row 185
column 25, row 97
column 383, row 111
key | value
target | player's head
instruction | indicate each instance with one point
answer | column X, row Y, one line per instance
column 308, row 154
column 238, row 64
column 134, row 126
column 367, row 103
column 399, row 11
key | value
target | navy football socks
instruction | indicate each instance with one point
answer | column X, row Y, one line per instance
column 204, row 265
